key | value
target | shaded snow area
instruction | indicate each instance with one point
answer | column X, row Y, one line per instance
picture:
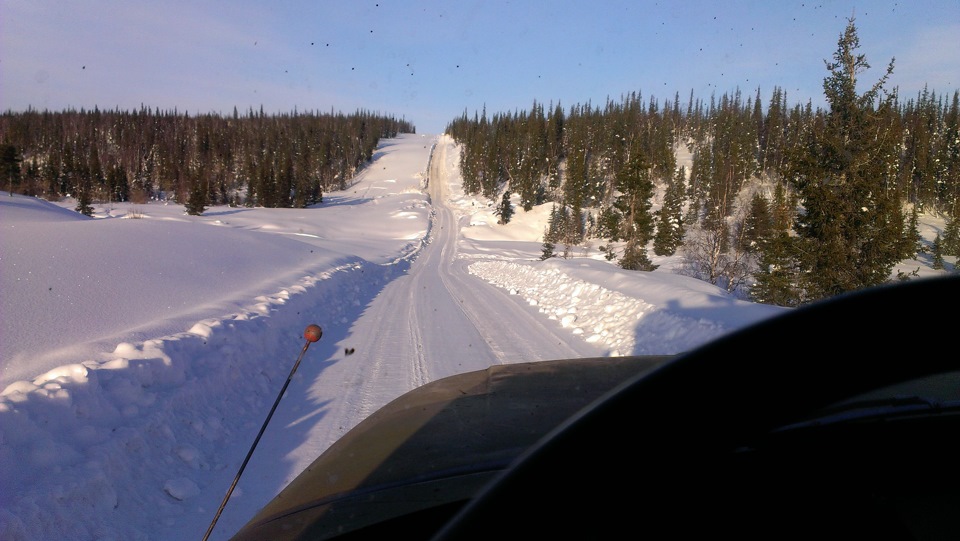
column 118, row 446
column 142, row 349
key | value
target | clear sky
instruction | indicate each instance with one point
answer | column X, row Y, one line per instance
column 429, row 61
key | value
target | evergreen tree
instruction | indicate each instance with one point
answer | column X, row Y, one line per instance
column 31, row 179
column 84, row 196
column 776, row 276
column 635, row 257
column 608, row 224
column 757, row 226
column 554, row 231
column 10, row 167
column 556, row 223
column 670, row 228
column 95, row 172
column 547, row 250
column 948, row 193
column 937, row 253
column 849, row 230
column 951, row 236
column 117, row 185
column 771, row 136
column 912, row 242
column 505, row 209
column 197, row 200
column 636, row 188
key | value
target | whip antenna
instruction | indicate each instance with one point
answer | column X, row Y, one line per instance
column 311, row 334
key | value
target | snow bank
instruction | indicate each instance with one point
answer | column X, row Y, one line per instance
column 626, row 325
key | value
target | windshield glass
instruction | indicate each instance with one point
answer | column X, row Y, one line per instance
column 441, row 188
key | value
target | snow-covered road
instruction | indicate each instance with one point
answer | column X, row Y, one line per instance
column 432, row 318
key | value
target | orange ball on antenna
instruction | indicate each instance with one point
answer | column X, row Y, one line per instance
column 313, row 333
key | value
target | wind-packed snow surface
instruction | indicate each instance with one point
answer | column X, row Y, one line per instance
column 142, row 349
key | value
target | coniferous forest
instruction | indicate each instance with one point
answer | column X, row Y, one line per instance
column 788, row 202
column 251, row 159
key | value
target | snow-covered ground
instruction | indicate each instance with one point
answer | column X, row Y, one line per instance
column 140, row 350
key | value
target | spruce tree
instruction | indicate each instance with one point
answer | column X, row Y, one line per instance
column 84, row 196
column 78, row 172
column 912, row 242
column 670, row 228
column 776, row 276
column 775, row 279
column 937, row 253
column 951, row 236
column 850, row 228
column 117, row 184
column 197, row 201
column 505, row 209
column 95, row 172
column 633, row 181
column 546, row 251
column 757, row 226
column 553, row 232
column 10, row 167
column 608, row 224
column 635, row 257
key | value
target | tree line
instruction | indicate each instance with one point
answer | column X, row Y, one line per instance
column 250, row 159
column 790, row 202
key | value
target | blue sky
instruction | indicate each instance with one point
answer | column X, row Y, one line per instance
column 429, row 61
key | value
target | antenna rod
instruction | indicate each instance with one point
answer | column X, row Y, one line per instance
column 311, row 334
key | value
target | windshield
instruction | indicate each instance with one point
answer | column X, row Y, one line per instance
column 441, row 188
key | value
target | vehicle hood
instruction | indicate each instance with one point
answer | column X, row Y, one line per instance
column 437, row 445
